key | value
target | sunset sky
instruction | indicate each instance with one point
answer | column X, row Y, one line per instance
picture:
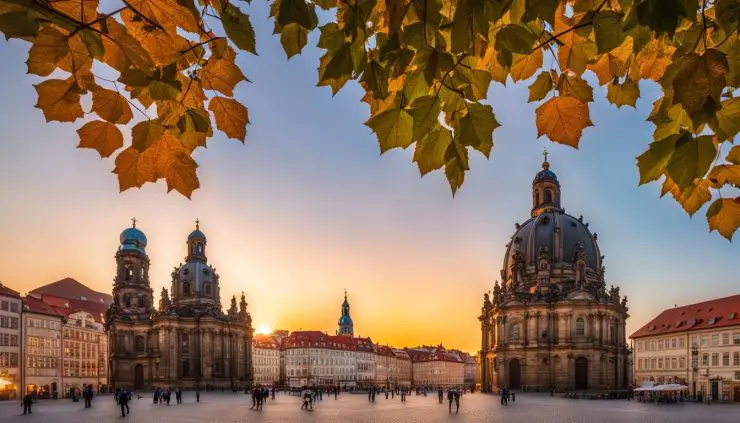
column 308, row 208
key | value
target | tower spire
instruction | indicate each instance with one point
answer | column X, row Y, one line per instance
column 197, row 224
column 545, row 163
column 133, row 222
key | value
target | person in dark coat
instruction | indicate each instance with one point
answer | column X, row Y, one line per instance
column 123, row 399
column 27, row 402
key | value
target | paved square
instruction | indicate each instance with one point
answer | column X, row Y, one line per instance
column 228, row 408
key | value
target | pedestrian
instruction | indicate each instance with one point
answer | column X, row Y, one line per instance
column 123, row 402
column 450, row 397
column 457, row 401
column 440, row 395
column 197, row 395
column 513, row 396
column 27, row 402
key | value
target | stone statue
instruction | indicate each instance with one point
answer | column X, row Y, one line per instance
column 517, row 266
column 243, row 308
column 544, row 263
column 624, row 304
column 233, row 311
column 116, row 300
column 580, row 254
column 164, row 300
column 486, row 302
column 497, row 293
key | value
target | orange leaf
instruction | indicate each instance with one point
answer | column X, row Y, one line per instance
column 526, row 66
column 59, row 100
column 563, row 119
column 231, row 117
column 111, row 106
column 724, row 216
column 221, row 75
column 134, row 169
column 49, row 48
column 101, row 136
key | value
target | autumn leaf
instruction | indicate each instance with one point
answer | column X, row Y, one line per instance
column 608, row 30
column 563, row 119
column 734, row 155
column 231, row 117
column 724, row 216
column 691, row 159
column 691, row 198
column 725, row 174
column 477, row 126
column 49, row 48
column 456, row 164
column 134, row 169
column 239, row 28
column 293, row 38
column 526, row 66
column 540, row 87
column 166, row 13
column 728, row 119
column 222, row 76
column 698, row 83
column 146, row 133
column 393, row 127
column 624, row 94
column 111, row 106
column 104, row 137
column 652, row 163
column 571, row 84
column 515, row 39
column 430, row 151
column 425, row 112
column 59, row 100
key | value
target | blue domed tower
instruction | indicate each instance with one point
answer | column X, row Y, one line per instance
column 346, row 327
column 131, row 290
column 195, row 284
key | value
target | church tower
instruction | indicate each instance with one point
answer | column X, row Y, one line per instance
column 346, row 327
column 132, row 293
column 545, row 190
column 195, row 284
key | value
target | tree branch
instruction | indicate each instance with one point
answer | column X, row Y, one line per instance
column 194, row 46
column 571, row 29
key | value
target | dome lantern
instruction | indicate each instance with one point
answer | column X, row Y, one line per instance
column 133, row 239
column 545, row 189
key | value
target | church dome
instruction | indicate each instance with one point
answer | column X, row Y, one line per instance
column 196, row 234
column 133, row 239
column 557, row 234
column 345, row 320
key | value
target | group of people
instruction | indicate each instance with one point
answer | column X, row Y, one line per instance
column 452, row 395
column 87, row 394
column 506, row 395
column 164, row 396
column 260, row 396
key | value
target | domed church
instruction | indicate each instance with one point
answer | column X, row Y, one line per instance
column 188, row 341
column 551, row 323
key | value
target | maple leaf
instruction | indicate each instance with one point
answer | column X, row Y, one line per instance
column 571, row 84
column 429, row 153
column 624, row 94
column 81, row 10
column 698, row 83
column 231, row 117
column 724, row 216
column 526, row 66
column 111, row 106
column 393, row 127
column 221, row 75
column 563, row 119
column 168, row 14
column 614, row 63
column 477, row 126
column 49, row 48
column 293, row 38
column 725, row 174
column 59, row 100
column 134, row 169
column 691, row 198
column 104, row 137
column 239, row 28
column 540, row 87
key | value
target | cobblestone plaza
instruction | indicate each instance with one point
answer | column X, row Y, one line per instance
column 228, row 408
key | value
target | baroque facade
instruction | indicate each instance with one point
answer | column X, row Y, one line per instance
column 551, row 323
column 10, row 333
column 188, row 341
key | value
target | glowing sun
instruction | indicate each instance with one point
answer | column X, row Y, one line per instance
column 263, row 330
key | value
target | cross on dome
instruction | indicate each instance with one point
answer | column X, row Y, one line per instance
column 197, row 224
column 133, row 222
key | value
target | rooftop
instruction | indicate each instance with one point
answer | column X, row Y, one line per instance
column 717, row 313
column 72, row 289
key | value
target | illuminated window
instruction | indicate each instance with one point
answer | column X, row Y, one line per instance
column 580, row 327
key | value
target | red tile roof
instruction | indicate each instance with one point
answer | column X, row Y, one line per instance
column 34, row 304
column 265, row 342
column 70, row 288
column 363, row 344
column 4, row 290
column 717, row 313
column 316, row 339
column 63, row 307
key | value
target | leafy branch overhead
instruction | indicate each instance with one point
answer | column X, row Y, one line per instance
column 425, row 65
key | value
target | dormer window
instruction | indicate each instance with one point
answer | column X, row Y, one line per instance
column 712, row 320
column 186, row 272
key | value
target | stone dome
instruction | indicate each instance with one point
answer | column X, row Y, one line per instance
column 555, row 233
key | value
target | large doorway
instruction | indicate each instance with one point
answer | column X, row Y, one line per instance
column 581, row 373
column 138, row 376
column 515, row 374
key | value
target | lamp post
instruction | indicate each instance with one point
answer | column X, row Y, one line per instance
column 694, row 365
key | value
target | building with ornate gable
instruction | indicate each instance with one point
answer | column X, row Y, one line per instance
column 551, row 323
column 188, row 341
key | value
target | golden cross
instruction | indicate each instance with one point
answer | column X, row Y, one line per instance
column 133, row 221
column 197, row 224
column 544, row 153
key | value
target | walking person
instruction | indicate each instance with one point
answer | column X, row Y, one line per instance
column 123, row 402
column 27, row 402
column 450, row 397
column 457, row 401
column 197, row 395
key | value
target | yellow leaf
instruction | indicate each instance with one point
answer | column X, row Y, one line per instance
column 563, row 119
column 181, row 175
column 526, row 66
column 571, row 84
column 59, row 100
column 721, row 175
column 49, row 48
column 192, row 95
column 169, row 14
column 222, row 76
column 724, row 216
column 111, row 106
column 101, row 136
column 623, row 94
column 164, row 47
column 692, row 198
column 78, row 62
column 231, row 117
column 575, row 53
column 654, row 58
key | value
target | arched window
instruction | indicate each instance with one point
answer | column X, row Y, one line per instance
column 548, row 196
column 142, row 301
column 580, row 327
column 186, row 288
column 127, row 300
column 208, row 289
column 514, row 332
column 537, row 198
column 199, row 248
column 129, row 272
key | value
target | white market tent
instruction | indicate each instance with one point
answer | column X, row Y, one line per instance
column 669, row 387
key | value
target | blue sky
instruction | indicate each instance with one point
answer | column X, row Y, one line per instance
column 309, row 207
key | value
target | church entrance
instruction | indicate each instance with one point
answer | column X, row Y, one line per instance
column 139, row 377
column 515, row 374
column 581, row 373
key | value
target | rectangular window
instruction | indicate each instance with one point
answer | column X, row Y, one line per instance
column 14, row 307
column 681, row 363
column 726, row 359
column 715, row 339
column 674, row 363
column 673, row 343
column 704, row 340
column 680, row 343
column 4, row 305
column 660, row 344
column 737, row 375
column 695, row 340
column 715, row 359
column 725, row 339
column 705, row 359
column 660, row 363
column 736, row 358
column 736, row 338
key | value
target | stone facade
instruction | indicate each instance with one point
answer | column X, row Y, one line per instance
column 551, row 323
column 42, row 348
column 188, row 342
column 266, row 359
column 10, row 334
